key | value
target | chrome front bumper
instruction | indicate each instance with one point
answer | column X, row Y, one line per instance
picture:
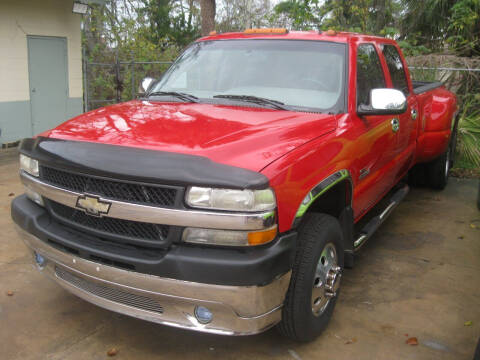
column 237, row 310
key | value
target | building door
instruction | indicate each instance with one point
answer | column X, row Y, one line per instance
column 47, row 65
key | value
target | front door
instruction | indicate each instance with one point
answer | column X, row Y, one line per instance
column 407, row 132
column 375, row 141
column 47, row 65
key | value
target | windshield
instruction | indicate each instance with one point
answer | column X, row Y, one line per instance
column 296, row 73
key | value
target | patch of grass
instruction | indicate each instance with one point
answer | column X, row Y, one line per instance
column 464, row 168
column 468, row 141
column 463, row 163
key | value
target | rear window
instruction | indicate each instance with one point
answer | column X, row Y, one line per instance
column 395, row 67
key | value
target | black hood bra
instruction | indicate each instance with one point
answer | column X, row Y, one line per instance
column 136, row 164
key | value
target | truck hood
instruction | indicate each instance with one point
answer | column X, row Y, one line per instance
column 245, row 137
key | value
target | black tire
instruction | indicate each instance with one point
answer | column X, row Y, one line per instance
column 417, row 176
column 438, row 171
column 298, row 321
column 453, row 142
column 476, row 356
column 478, row 196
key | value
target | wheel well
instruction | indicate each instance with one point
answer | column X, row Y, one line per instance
column 337, row 202
column 334, row 200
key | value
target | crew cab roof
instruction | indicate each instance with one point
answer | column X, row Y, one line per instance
column 341, row 37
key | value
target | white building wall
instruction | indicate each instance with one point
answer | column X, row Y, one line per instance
column 19, row 18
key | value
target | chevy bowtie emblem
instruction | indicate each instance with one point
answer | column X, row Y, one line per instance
column 92, row 205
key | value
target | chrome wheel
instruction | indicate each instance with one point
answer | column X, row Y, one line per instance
column 326, row 280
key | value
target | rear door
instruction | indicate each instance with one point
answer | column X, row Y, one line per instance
column 407, row 133
column 375, row 141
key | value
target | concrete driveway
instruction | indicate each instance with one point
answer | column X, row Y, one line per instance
column 419, row 276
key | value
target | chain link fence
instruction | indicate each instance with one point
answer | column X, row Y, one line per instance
column 462, row 81
column 110, row 83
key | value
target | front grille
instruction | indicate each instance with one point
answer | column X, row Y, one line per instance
column 112, row 189
column 106, row 225
column 111, row 294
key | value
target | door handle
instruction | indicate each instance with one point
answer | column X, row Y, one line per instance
column 414, row 114
column 395, row 125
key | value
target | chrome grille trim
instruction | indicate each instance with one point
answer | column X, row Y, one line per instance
column 111, row 294
column 106, row 226
column 157, row 215
column 137, row 193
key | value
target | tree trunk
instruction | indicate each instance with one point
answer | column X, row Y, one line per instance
column 380, row 8
column 207, row 13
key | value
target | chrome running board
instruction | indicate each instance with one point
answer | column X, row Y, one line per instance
column 372, row 226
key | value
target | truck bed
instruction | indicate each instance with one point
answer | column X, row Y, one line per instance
column 420, row 87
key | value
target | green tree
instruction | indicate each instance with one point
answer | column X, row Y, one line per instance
column 436, row 23
column 464, row 27
column 425, row 22
column 238, row 15
column 299, row 14
column 170, row 22
column 365, row 16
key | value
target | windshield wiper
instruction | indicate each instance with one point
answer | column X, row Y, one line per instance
column 255, row 99
column 179, row 95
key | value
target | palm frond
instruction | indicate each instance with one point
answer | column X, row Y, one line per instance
column 469, row 132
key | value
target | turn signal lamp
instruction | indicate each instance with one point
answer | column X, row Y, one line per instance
column 275, row 31
column 262, row 237
column 229, row 237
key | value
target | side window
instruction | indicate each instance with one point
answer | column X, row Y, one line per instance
column 395, row 67
column 369, row 73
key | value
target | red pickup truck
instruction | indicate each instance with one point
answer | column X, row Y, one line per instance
column 232, row 195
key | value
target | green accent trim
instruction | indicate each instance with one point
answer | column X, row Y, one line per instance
column 327, row 184
column 269, row 215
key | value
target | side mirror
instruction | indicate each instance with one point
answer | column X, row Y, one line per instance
column 146, row 82
column 384, row 102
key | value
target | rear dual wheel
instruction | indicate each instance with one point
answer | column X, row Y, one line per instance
column 315, row 281
column 435, row 173
column 439, row 169
column 478, row 196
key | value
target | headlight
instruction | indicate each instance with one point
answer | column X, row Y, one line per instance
column 29, row 165
column 230, row 199
column 229, row 237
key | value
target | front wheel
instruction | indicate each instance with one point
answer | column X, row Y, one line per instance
column 315, row 281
